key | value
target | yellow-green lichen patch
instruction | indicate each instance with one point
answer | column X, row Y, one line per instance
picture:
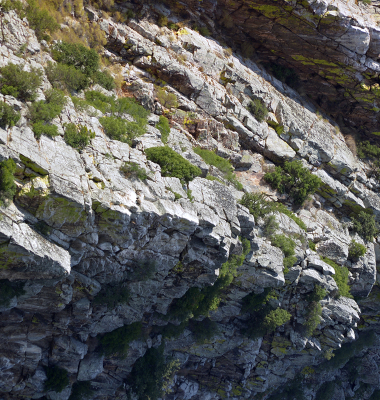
column 33, row 165
column 33, row 193
column 269, row 11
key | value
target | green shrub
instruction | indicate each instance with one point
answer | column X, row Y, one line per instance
column 78, row 138
column 172, row 164
column 370, row 152
column 164, row 127
column 319, row 293
column 340, row 277
column 254, row 302
column 8, row 116
column 117, row 341
column 281, row 208
column 7, row 182
column 40, row 21
column 150, row 374
column 211, row 158
column 76, row 55
column 365, row 225
column 286, row 244
column 276, row 318
column 104, row 79
column 270, row 226
column 290, row 391
column 40, row 128
column 57, row 379
column 356, row 250
column 162, row 20
column 45, row 111
column 130, row 169
column 66, row 77
column 8, row 5
column 81, row 391
column 312, row 245
column 184, row 307
column 294, row 180
column 258, row 109
column 203, row 330
column 173, row 331
column 10, row 289
column 168, row 100
column 112, row 296
column 288, row 262
column 115, row 128
column 314, row 312
column 19, row 83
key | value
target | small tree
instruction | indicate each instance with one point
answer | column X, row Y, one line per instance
column 276, row 318
column 258, row 109
column 356, row 250
column 365, row 225
column 7, row 183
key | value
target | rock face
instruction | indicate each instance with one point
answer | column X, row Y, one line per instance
column 80, row 231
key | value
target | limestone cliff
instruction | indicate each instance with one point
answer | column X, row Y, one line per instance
column 82, row 229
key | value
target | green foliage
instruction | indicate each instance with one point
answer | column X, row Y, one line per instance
column 184, row 307
column 203, row 330
column 319, row 293
column 162, row 20
column 168, row 100
column 7, row 183
column 104, row 79
column 314, row 312
column 40, row 21
column 76, row 137
column 8, row 116
column 47, row 110
column 76, row 55
column 204, row 31
column 40, row 128
column 57, row 379
column 115, row 128
column 284, row 74
column 276, row 318
column 288, row 262
column 365, row 225
column 117, row 341
column 172, row 164
column 234, row 261
column 19, row 83
column 281, row 208
column 10, row 289
column 258, row 109
column 173, row 331
column 130, row 169
column 112, row 296
column 356, row 250
column 270, row 226
column 81, row 391
column 211, row 158
column 340, row 277
column 290, row 391
column 164, row 127
column 150, row 374
column 312, row 245
column 63, row 77
column 286, row 244
column 371, row 152
column 294, row 180
column 7, row 5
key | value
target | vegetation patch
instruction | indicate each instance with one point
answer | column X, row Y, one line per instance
column 8, row 116
column 63, row 77
column 57, row 379
column 364, row 224
column 167, row 99
column 294, row 180
column 356, row 250
column 172, row 164
column 18, row 83
column 287, row 245
column 340, row 277
column 7, row 182
column 132, row 169
column 314, row 310
column 78, row 137
column 164, row 127
column 40, row 20
column 117, row 341
column 258, row 109
column 203, row 330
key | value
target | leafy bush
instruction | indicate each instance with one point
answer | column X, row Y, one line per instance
column 150, row 374
column 7, row 183
column 314, row 313
column 293, row 179
column 312, row 245
column 340, row 277
column 63, row 76
column 258, row 109
column 19, row 83
column 211, row 158
column 184, row 307
column 117, row 341
column 319, row 293
column 356, row 250
column 47, row 110
column 104, row 79
column 172, row 164
column 8, row 116
column 40, row 21
column 112, row 296
column 286, row 244
column 276, row 318
column 40, row 128
column 115, row 128
column 78, row 138
column 365, row 225
column 78, row 56
column 10, row 289
column 168, row 100
column 370, row 152
column 203, row 330
column 81, row 391
column 8, row 5
column 288, row 262
column 133, row 169
column 57, row 379
column 270, row 226
column 164, row 127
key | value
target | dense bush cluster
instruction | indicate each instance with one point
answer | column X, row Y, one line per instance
column 172, row 164
column 8, row 116
column 40, row 20
column 203, row 330
column 294, row 180
column 287, row 245
column 371, row 153
column 364, row 224
column 132, row 169
column 340, row 277
column 18, row 83
column 211, row 158
column 258, row 109
column 356, row 250
column 164, row 127
column 7, row 182
column 78, row 137
column 314, row 309
column 57, row 379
